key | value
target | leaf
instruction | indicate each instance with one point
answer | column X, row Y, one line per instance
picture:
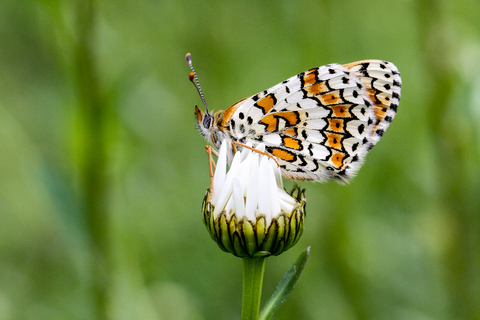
column 284, row 286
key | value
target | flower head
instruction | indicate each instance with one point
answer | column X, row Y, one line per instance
column 247, row 211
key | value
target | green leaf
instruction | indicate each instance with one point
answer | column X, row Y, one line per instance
column 285, row 286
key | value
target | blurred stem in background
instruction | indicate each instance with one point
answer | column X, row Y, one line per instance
column 93, row 157
column 452, row 162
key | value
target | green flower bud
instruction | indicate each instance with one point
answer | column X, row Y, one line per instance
column 249, row 214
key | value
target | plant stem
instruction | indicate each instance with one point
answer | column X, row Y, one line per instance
column 253, row 269
column 93, row 160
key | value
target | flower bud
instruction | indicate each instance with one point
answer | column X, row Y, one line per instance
column 249, row 214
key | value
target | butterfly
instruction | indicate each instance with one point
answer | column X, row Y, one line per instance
column 318, row 125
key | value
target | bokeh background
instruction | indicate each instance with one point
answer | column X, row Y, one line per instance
column 102, row 172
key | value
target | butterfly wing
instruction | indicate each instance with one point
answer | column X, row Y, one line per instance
column 383, row 83
column 320, row 123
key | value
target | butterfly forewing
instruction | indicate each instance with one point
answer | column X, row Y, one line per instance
column 320, row 123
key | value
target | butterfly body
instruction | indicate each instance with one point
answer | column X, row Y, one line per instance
column 319, row 124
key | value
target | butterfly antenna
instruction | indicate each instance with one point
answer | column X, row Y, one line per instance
column 194, row 79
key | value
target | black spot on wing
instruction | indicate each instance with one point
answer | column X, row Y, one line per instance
column 302, row 158
column 355, row 146
column 361, row 128
column 363, row 69
column 310, row 147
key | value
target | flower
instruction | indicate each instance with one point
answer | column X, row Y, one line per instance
column 248, row 213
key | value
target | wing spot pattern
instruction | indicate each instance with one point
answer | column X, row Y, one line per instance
column 335, row 125
column 271, row 121
column 266, row 103
column 290, row 132
column 292, row 143
column 282, row 154
column 337, row 159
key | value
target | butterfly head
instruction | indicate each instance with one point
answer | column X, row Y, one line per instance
column 204, row 121
column 209, row 125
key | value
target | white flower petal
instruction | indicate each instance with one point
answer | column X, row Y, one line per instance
column 246, row 151
column 220, row 171
column 284, row 196
column 252, row 189
column 238, row 198
column 263, row 191
column 286, row 207
column 224, row 194
column 274, row 199
column 261, row 147
column 245, row 174
column 229, row 207
column 278, row 173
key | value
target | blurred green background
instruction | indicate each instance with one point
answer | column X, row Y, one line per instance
column 102, row 172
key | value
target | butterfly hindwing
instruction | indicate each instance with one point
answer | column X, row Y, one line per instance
column 383, row 83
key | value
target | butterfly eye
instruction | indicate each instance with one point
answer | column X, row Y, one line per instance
column 207, row 121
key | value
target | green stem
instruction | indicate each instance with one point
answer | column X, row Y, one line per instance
column 253, row 269
column 93, row 160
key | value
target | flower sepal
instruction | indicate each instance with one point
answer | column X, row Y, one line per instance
column 259, row 238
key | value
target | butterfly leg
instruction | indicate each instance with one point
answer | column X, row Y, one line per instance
column 211, row 165
column 253, row 149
